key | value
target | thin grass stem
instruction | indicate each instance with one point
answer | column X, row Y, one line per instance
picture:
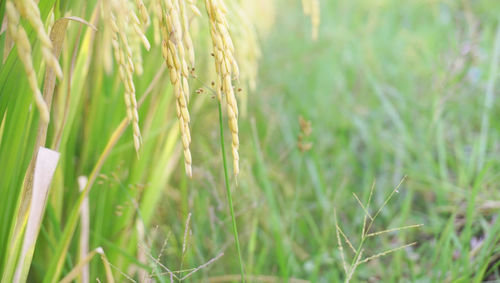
column 393, row 230
column 228, row 190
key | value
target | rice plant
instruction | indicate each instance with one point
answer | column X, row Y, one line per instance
column 226, row 141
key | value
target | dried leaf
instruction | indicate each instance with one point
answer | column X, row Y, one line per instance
column 46, row 163
column 84, row 230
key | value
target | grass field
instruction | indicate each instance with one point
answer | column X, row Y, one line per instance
column 387, row 122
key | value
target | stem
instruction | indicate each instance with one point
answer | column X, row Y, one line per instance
column 228, row 190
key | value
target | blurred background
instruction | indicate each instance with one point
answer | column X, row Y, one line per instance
column 388, row 92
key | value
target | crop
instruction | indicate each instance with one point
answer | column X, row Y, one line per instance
column 223, row 141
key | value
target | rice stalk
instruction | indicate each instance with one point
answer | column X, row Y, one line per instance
column 226, row 69
column 123, row 33
column 126, row 69
column 193, row 7
column 186, row 36
column 174, row 53
column 228, row 192
column 29, row 10
column 157, row 18
column 20, row 38
column 135, row 45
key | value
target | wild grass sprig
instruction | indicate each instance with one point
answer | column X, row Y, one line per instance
column 368, row 222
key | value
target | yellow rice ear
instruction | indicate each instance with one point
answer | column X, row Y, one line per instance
column 29, row 10
column 129, row 59
column 226, row 68
column 175, row 34
column 19, row 36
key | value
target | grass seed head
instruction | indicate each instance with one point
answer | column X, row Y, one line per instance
column 305, row 131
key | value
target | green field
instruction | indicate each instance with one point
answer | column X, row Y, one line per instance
column 388, row 122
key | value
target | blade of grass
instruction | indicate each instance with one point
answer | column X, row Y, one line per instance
column 277, row 224
column 488, row 100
